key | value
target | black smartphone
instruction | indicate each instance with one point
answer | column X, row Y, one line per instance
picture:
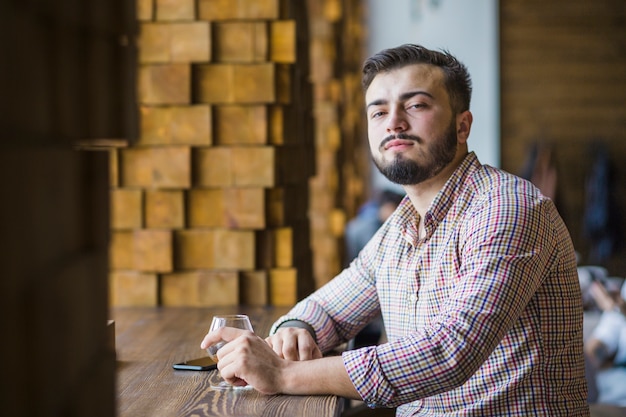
column 199, row 364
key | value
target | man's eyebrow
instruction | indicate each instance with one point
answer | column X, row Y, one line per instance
column 412, row 94
column 376, row 103
column 405, row 96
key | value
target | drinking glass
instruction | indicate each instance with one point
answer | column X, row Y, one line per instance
column 239, row 321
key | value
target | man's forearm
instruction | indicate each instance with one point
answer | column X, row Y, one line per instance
column 320, row 376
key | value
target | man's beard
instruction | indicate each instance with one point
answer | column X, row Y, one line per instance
column 405, row 171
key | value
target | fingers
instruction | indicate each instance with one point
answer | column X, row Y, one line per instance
column 294, row 344
column 225, row 334
column 290, row 349
column 249, row 360
column 303, row 348
column 276, row 343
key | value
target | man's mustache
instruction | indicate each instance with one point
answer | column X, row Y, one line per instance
column 403, row 136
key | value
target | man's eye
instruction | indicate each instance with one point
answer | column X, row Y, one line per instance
column 377, row 114
column 417, row 106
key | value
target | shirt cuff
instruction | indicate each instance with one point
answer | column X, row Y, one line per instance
column 367, row 376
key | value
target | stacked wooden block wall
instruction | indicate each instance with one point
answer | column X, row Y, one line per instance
column 337, row 45
column 209, row 206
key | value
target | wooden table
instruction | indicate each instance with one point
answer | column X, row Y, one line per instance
column 149, row 340
column 604, row 410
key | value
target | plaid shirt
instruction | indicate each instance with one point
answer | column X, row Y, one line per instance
column 483, row 315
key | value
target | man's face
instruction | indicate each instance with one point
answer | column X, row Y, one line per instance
column 411, row 128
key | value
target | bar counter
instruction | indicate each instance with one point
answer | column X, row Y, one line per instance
column 149, row 340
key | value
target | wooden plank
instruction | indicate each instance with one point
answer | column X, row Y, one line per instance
column 244, row 208
column 213, row 167
column 164, row 84
column 200, row 289
column 234, row 249
column 114, row 178
column 152, row 250
column 236, row 83
column 277, row 125
column 174, row 42
column 232, row 208
column 194, row 249
column 179, row 289
column 241, row 125
column 161, row 167
column 190, row 42
column 131, row 288
column 337, row 222
column 176, row 125
column 283, row 41
column 322, row 55
column 283, row 287
column 164, row 209
column 238, row 9
column 283, row 240
column 175, row 10
column 126, row 208
column 121, row 250
column 220, row 288
column 141, row 250
column 213, row 83
column 333, row 10
column 214, row 249
column 145, row 10
column 255, row 166
column 261, row 43
column 206, row 207
column 328, row 258
column 240, row 41
column 253, row 288
column 154, row 43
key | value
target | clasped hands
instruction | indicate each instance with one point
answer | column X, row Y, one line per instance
column 247, row 359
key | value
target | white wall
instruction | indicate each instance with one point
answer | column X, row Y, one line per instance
column 468, row 30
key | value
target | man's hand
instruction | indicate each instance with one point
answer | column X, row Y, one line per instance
column 294, row 344
column 247, row 359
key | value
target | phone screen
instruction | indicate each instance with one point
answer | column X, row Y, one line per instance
column 199, row 364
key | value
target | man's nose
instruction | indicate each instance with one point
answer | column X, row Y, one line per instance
column 396, row 121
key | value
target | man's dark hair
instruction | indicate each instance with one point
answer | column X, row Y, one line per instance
column 456, row 77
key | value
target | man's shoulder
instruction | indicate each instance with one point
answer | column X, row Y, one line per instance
column 485, row 179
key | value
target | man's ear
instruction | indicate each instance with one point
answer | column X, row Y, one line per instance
column 464, row 125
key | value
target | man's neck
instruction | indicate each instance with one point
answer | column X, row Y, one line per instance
column 423, row 194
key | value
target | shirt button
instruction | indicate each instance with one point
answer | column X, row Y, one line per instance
column 413, row 298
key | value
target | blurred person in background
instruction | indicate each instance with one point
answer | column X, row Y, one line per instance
column 606, row 346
